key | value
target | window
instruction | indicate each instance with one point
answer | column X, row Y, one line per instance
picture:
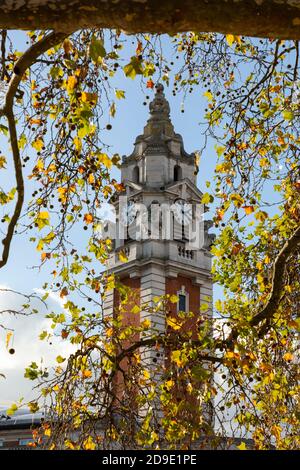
column 136, row 175
column 183, row 300
column 182, row 303
column 177, row 173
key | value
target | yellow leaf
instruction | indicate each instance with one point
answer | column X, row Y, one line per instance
column 242, row 446
column 109, row 332
column 122, row 257
column 173, row 323
column 38, row 144
column 47, row 432
column 135, row 309
column 288, row 357
column 77, row 143
column 91, row 178
column 208, row 95
column 237, row 199
column 146, row 323
column 263, row 162
column 276, row 431
column 146, row 374
column 174, row 299
column 71, row 83
column 43, row 215
column 89, row 444
column 8, row 337
column 89, row 97
column 230, row 39
column 105, row 160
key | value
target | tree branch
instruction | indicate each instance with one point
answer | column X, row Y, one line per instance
column 20, row 187
column 22, row 64
column 264, row 18
column 278, row 281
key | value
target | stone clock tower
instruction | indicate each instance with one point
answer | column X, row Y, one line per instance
column 160, row 257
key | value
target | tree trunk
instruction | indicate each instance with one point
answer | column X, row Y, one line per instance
column 262, row 18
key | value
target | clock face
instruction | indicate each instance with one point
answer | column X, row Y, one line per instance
column 183, row 212
column 128, row 213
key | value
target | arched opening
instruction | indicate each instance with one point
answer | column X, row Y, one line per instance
column 136, row 175
column 177, row 173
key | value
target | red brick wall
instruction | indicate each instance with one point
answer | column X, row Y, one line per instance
column 128, row 318
column 172, row 287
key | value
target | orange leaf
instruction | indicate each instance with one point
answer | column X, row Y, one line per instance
column 139, row 48
column 63, row 292
column 248, row 209
column 88, row 218
column 150, row 84
column 288, row 357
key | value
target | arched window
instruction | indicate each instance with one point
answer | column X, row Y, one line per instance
column 177, row 173
column 136, row 174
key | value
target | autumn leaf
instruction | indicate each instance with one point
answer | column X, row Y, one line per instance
column 38, row 144
column 86, row 374
column 248, row 209
column 208, row 95
column 89, row 444
column 174, row 299
column 96, row 49
column 89, row 97
column 88, row 218
column 60, row 359
column 68, row 46
column 288, row 357
column 8, row 338
column 120, row 94
column 112, row 110
column 105, row 160
column 122, row 257
column 63, row 292
column 230, row 39
column 174, row 323
column 139, row 48
column 133, row 68
column 150, row 84
column 242, row 446
column 71, row 83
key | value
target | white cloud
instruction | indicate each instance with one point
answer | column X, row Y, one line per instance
column 26, row 343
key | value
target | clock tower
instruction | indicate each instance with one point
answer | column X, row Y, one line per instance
column 160, row 230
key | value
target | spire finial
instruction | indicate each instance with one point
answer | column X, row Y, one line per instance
column 159, row 107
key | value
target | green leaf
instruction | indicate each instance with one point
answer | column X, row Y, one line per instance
column 96, row 49
column 287, row 115
column 60, row 359
column 43, row 335
column 207, row 198
column 32, row 372
column 133, row 68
